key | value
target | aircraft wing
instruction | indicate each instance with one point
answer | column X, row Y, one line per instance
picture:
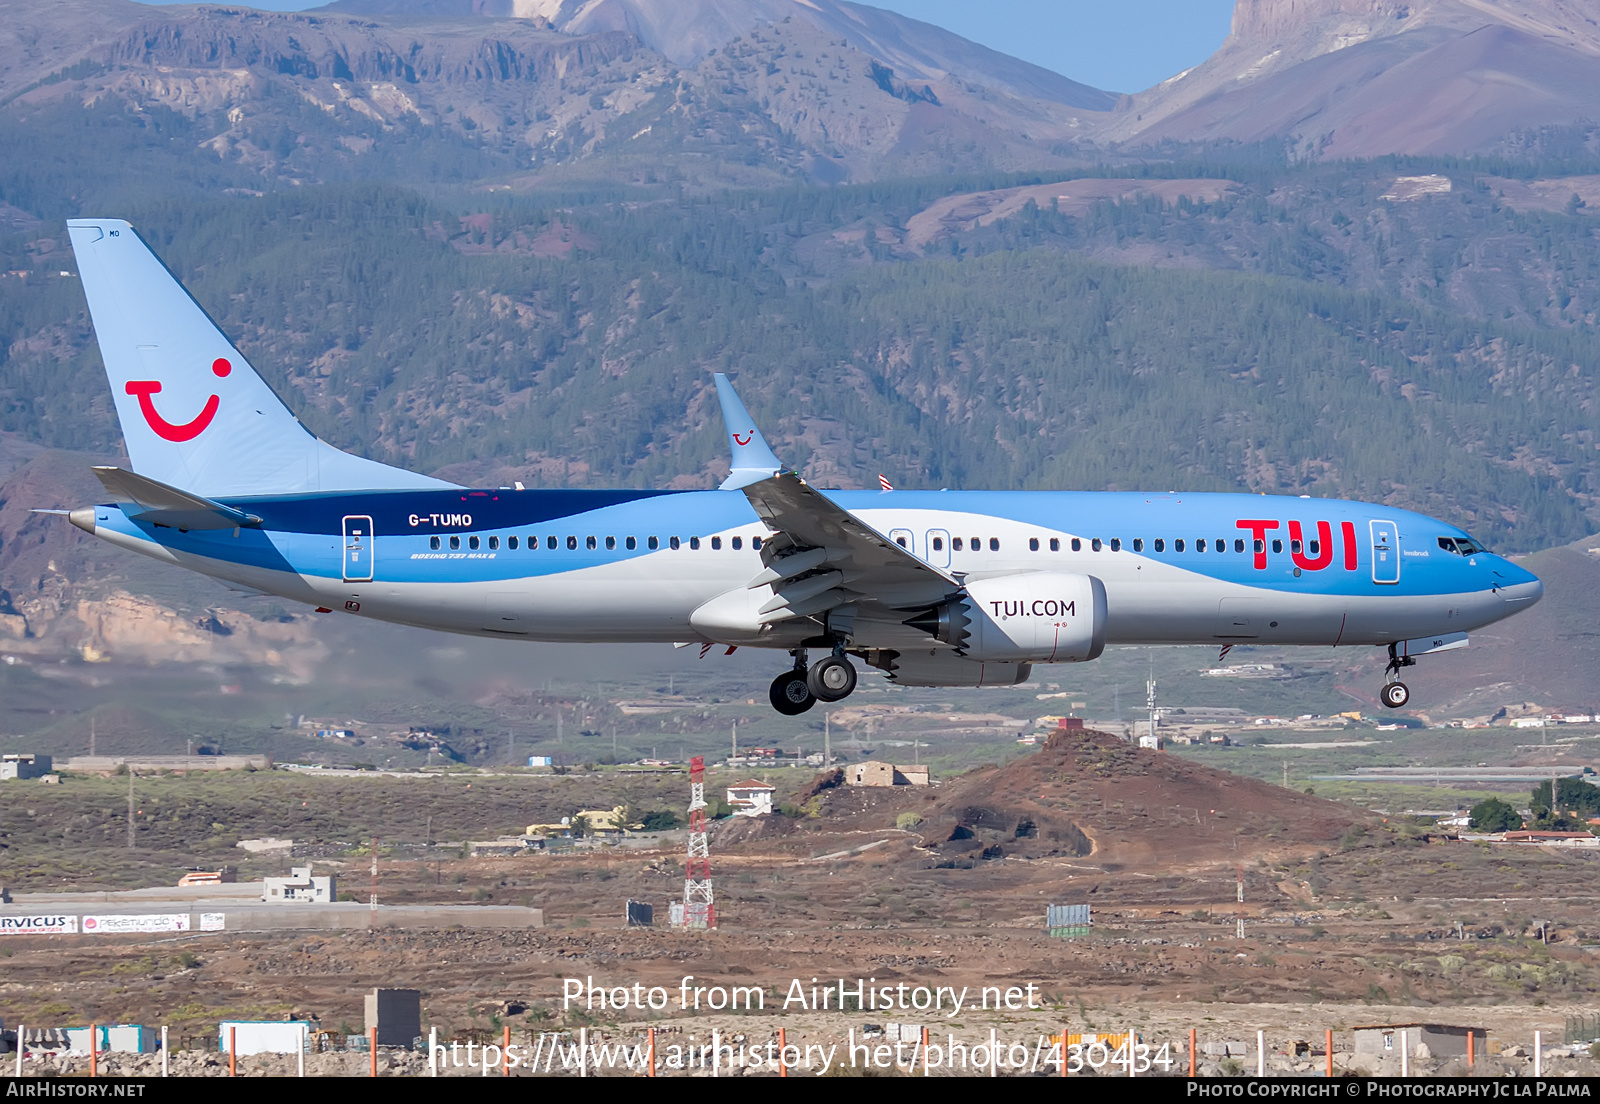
column 825, row 557
column 145, row 499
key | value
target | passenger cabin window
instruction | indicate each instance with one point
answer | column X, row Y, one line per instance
column 738, row 543
column 977, row 544
column 1077, row 545
column 755, row 542
column 1222, row 545
column 1261, row 546
column 1314, row 547
column 1138, row 544
column 1055, row 544
column 632, row 543
column 494, row 544
column 1161, row 545
column 1177, row 545
column 672, row 543
column 1116, row 544
column 694, row 544
column 1277, row 547
column 1200, row 545
column 653, row 544
column 511, row 543
column 994, row 544
column 1294, row 546
column 455, row 543
column 1238, row 545
column 938, row 544
column 716, row 544
column 901, row 541
column 550, row 543
column 611, row 544
column 572, row 544
column 1033, row 544
column 955, row 544
column 589, row 543
column 472, row 543
column 433, row 543
column 1094, row 545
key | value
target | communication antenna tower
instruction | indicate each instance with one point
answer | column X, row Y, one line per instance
column 699, row 907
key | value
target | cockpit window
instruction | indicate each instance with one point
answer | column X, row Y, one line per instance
column 1461, row 546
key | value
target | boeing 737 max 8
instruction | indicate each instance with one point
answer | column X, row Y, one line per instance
column 934, row 588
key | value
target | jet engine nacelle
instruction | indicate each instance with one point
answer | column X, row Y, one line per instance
column 1040, row 616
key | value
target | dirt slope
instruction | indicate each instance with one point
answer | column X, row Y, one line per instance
column 1090, row 794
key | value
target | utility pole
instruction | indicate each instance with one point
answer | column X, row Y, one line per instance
column 827, row 741
column 1286, row 774
column 1241, row 901
column 1150, row 697
column 374, row 904
column 735, row 754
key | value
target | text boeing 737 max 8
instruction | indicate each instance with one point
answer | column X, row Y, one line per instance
column 944, row 588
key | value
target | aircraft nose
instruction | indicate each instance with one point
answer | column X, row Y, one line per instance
column 1523, row 594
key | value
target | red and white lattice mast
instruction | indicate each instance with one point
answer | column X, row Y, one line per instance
column 699, row 906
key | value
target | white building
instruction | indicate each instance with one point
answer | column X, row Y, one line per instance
column 299, row 886
column 24, row 765
column 751, row 798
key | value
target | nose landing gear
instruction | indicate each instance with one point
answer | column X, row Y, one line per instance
column 1395, row 693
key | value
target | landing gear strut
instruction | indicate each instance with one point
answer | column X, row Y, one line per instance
column 1395, row 693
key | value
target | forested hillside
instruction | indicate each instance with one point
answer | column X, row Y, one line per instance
column 569, row 338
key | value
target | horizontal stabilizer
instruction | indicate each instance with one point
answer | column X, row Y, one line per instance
column 144, row 499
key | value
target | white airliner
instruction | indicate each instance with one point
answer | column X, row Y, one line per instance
column 934, row 588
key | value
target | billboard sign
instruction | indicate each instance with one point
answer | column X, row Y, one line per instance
column 38, row 925
column 213, row 921
column 151, row 922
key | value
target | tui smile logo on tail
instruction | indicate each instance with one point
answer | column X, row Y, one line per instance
column 745, row 440
column 166, row 430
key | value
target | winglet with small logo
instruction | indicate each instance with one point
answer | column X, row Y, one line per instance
column 753, row 461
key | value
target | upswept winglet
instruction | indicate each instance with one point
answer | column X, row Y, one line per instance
column 753, row 461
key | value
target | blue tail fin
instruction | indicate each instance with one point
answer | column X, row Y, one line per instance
column 194, row 413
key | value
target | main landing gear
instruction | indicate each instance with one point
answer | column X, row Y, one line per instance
column 1395, row 693
column 830, row 679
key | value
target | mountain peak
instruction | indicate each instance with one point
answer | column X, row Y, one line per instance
column 1362, row 78
column 687, row 31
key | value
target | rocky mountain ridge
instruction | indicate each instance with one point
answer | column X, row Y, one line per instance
column 1363, row 78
